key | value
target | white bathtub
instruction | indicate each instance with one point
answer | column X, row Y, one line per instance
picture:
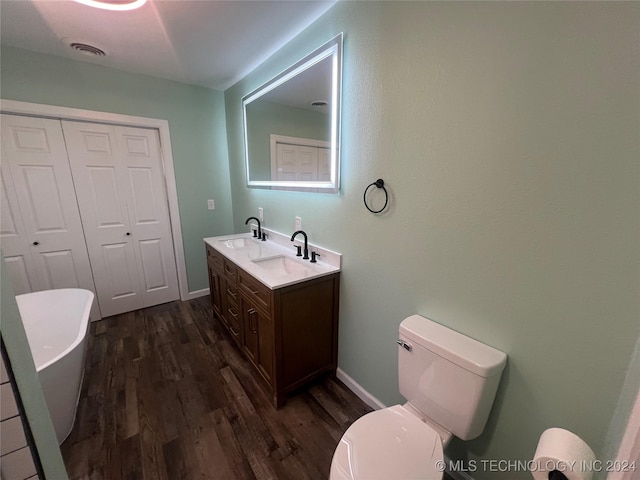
column 56, row 323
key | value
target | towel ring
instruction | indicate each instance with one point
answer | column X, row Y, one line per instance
column 380, row 184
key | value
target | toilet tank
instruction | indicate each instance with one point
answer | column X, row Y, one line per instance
column 450, row 378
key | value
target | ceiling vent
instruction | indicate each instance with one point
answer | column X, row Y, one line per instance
column 85, row 48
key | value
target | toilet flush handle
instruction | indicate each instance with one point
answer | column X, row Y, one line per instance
column 405, row 345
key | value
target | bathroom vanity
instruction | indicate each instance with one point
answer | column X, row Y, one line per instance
column 280, row 311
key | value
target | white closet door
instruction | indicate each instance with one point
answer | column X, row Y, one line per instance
column 324, row 164
column 93, row 155
column 34, row 150
column 307, row 163
column 287, row 162
column 122, row 197
column 14, row 241
column 149, row 213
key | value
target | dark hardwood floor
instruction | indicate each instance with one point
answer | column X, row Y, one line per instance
column 166, row 395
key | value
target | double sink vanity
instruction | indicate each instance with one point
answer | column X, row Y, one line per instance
column 279, row 309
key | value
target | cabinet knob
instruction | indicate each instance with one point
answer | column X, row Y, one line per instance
column 128, row 233
column 36, row 243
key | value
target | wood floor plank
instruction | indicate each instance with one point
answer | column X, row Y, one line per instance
column 234, row 456
column 151, row 455
column 168, row 396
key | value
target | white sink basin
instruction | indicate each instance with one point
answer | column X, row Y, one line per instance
column 282, row 265
column 272, row 262
column 240, row 242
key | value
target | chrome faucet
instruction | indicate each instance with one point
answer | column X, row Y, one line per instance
column 306, row 246
column 259, row 228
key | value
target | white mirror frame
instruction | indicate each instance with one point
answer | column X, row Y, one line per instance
column 333, row 48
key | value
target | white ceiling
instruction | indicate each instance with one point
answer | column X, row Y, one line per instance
column 201, row 42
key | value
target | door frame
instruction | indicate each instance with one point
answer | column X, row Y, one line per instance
column 162, row 126
column 629, row 449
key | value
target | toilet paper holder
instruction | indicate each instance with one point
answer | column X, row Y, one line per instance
column 557, row 475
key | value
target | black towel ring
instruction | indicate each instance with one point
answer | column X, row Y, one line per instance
column 380, row 184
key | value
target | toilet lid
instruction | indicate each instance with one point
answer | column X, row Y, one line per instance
column 391, row 443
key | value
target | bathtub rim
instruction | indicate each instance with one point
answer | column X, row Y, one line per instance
column 82, row 327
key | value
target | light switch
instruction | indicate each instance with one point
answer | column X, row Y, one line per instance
column 211, row 204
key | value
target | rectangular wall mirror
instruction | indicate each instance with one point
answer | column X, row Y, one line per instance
column 292, row 125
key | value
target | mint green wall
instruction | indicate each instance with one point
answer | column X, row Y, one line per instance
column 28, row 382
column 196, row 122
column 507, row 134
column 266, row 118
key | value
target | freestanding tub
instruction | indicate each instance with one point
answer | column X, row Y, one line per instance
column 56, row 323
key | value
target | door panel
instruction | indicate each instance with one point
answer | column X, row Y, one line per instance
column 307, row 163
column 146, row 196
column 59, row 269
column 324, row 165
column 108, row 209
column 287, row 162
column 93, row 155
column 13, row 237
column 120, row 188
column 19, row 274
column 30, row 139
column 155, row 275
column 118, row 279
column 42, row 198
column 37, row 168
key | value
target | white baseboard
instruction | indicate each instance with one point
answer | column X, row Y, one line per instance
column 356, row 388
column 196, row 294
column 376, row 404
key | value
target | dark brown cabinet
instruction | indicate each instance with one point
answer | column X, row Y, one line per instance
column 214, row 286
column 289, row 335
column 258, row 339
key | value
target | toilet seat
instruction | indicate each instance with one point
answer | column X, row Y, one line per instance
column 391, row 443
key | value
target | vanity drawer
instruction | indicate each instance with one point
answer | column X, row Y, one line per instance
column 230, row 271
column 233, row 321
column 255, row 291
column 232, row 294
column 214, row 258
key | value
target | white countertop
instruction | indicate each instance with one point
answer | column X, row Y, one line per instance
column 273, row 262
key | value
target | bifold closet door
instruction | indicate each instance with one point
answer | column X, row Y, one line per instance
column 41, row 235
column 324, row 164
column 121, row 191
column 296, row 162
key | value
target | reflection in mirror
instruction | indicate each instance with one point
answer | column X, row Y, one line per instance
column 292, row 125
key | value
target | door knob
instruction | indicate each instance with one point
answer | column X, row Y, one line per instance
column 36, row 243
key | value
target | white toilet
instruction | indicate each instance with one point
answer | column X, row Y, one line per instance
column 449, row 380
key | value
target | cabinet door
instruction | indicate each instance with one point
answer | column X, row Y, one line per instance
column 258, row 339
column 265, row 346
column 250, row 330
column 215, row 290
